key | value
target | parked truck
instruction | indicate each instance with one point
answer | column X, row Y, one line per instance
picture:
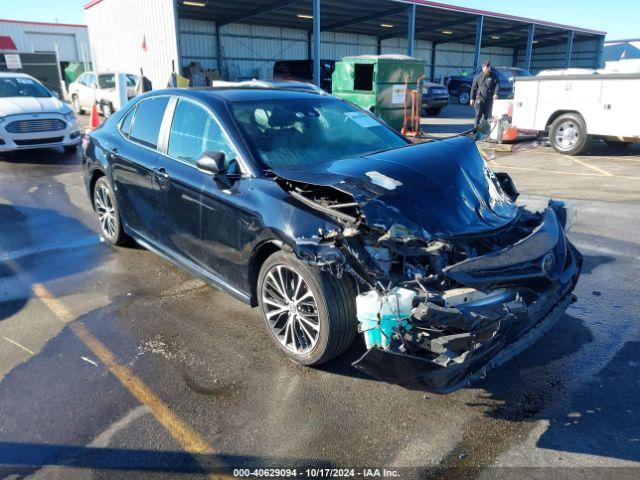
column 574, row 109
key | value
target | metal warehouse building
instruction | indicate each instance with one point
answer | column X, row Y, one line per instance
column 243, row 38
column 69, row 41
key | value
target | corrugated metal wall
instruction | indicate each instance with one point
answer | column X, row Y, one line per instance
column 117, row 29
column 584, row 55
column 249, row 51
column 71, row 42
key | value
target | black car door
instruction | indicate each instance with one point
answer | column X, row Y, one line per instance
column 202, row 220
column 134, row 171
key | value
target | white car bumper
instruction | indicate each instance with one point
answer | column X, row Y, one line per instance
column 27, row 131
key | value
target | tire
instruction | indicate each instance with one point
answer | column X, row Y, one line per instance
column 333, row 299
column 107, row 109
column 76, row 104
column 434, row 111
column 568, row 134
column 616, row 143
column 464, row 96
column 70, row 149
column 103, row 201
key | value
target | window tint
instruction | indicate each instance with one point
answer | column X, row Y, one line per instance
column 126, row 122
column 195, row 131
column 132, row 80
column 22, row 87
column 107, row 81
column 146, row 125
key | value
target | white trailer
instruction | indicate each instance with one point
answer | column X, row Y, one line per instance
column 574, row 109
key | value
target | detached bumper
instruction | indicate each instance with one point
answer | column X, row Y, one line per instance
column 488, row 333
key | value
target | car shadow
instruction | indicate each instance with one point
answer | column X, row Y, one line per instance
column 42, row 156
column 601, row 149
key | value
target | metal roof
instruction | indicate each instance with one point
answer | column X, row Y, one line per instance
column 435, row 22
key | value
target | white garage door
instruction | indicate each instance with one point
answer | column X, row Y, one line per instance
column 47, row 42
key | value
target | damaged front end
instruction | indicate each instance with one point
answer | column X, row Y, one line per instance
column 456, row 279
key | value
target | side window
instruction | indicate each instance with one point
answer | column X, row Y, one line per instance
column 126, row 122
column 82, row 79
column 194, row 131
column 90, row 80
column 107, row 81
column 146, row 126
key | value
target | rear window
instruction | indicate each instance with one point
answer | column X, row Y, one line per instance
column 107, row 81
column 146, row 126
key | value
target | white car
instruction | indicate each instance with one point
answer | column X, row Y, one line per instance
column 33, row 117
column 93, row 88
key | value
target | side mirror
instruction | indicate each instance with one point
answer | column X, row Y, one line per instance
column 212, row 163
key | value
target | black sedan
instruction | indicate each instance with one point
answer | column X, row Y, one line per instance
column 332, row 223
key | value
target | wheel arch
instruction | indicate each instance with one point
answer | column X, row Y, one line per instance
column 95, row 175
column 555, row 115
column 259, row 255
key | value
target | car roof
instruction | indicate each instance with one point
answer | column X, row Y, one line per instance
column 237, row 95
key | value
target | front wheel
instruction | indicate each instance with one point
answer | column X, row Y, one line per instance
column 568, row 134
column 310, row 314
column 106, row 208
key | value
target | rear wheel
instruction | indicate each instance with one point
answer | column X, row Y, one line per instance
column 310, row 314
column 107, row 109
column 464, row 96
column 106, row 208
column 568, row 134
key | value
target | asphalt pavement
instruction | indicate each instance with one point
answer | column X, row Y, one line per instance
column 115, row 364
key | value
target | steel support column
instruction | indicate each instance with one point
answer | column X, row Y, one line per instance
column 476, row 53
column 219, row 51
column 514, row 57
column 411, row 28
column 316, row 42
column 600, row 58
column 378, row 46
column 529, row 52
column 567, row 61
column 433, row 61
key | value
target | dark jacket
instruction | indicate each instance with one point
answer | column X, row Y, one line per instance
column 484, row 87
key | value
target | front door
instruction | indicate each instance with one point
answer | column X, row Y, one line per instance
column 199, row 213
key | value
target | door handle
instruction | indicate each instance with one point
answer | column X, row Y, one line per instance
column 161, row 174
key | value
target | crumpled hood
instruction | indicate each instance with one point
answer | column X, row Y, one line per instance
column 437, row 190
column 18, row 105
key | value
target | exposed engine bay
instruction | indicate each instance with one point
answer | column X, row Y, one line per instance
column 440, row 307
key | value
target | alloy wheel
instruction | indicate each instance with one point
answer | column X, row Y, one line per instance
column 567, row 135
column 463, row 98
column 290, row 309
column 106, row 211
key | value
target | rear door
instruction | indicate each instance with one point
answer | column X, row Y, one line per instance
column 136, row 178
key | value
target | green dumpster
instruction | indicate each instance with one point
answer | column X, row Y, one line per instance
column 377, row 83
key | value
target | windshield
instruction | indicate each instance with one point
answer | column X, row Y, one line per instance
column 297, row 132
column 510, row 73
column 22, row 87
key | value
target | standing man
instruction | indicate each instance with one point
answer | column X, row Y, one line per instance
column 483, row 90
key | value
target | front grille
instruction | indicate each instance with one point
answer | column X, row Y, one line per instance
column 39, row 141
column 36, row 125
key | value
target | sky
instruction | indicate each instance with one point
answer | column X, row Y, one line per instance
column 619, row 18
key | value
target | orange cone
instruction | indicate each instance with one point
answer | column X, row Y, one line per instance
column 94, row 120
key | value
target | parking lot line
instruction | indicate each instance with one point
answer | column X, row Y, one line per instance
column 18, row 345
column 560, row 172
column 181, row 432
column 592, row 167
